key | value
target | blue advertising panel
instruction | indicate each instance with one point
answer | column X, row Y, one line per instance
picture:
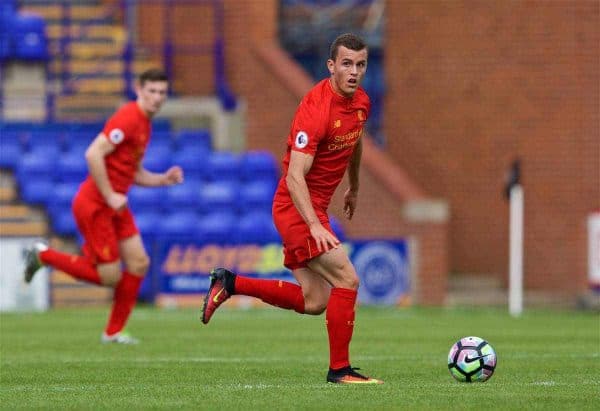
column 182, row 268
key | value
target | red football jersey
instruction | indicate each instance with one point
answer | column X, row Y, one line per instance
column 129, row 131
column 327, row 126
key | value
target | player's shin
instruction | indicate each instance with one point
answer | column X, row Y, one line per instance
column 76, row 266
column 340, row 326
column 124, row 299
column 279, row 293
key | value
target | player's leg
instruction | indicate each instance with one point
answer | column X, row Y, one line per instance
column 136, row 263
column 335, row 267
column 94, row 223
column 315, row 290
column 224, row 284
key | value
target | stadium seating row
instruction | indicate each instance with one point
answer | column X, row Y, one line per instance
column 197, row 163
column 15, row 143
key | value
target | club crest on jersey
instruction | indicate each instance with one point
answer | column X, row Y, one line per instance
column 301, row 139
column 361, row 115
column 116, row 135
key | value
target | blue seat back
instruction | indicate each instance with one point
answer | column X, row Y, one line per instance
column 223, row 166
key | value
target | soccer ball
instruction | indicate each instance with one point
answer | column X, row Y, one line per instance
column 472, row 359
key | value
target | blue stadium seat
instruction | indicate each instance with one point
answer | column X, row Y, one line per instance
column 49, row 151
column 259, row 165
column 35, row 165
column 8, row 9
column 11, row 149
column 223, row 166
column 28, row 32
column 147, row 198
column 63, row 222
column 78, row 142
column 39, row 191
column 39, row 139
column 199, row 138
column 182, row 225
column 72, row 168
column 217, row 227
column 59, row 209
column 222, row 196
column 184, row 196
column 257, row 195
column 6, row 47
column 257, row 227
column 148, row 222
column 193, row 161
column 62, row 198
column 157, row 158
column 163, row 139
column 161, row 124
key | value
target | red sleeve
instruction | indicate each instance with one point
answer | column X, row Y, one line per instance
column 119, row 127
column 308, row 126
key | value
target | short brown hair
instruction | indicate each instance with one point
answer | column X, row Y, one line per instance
column 153, row 74
column 348, row 40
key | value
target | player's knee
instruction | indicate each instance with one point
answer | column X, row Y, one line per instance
column 345, row 276
column 110, row 276
column 138, row 265
column 314, row 307
column 351, row 282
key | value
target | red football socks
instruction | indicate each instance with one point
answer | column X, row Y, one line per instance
column 124, row 300
column 340, row 325
column 76, row 266
column 279, row 293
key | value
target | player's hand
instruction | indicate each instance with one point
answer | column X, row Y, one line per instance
column 117, row 201
column 173, row 175
column 324, row 239
column 350, row 199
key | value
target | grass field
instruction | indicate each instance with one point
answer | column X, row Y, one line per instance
column 275, row 359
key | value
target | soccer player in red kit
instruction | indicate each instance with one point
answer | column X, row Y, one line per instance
column 114, row 254
column 324, row 142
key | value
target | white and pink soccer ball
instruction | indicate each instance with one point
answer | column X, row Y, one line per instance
column 472, row 359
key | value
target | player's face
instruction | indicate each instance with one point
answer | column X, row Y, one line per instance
column 348, row 70
column 151, row 96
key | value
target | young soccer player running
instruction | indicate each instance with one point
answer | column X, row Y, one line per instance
column 324, row 141
column 114, row 254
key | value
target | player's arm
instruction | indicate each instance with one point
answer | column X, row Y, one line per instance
column 300, row 164
column 94, row 155
column 147, row 178
column 351, row 194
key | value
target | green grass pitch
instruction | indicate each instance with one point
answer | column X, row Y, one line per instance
column 277, row 360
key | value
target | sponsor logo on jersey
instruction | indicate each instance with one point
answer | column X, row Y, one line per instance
column 116, row 135
column 301, row 139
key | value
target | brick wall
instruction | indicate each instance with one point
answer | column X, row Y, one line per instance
column 473, row 84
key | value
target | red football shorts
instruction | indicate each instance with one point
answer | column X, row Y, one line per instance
column 102, row 228
column 298, row 245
